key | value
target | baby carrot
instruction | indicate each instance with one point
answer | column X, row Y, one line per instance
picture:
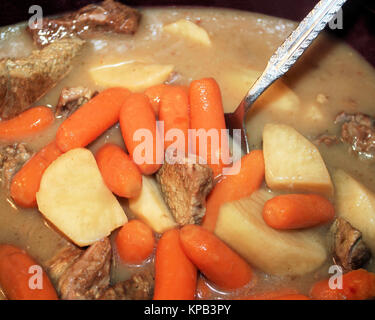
column 356, row 285
column 16, row 276
column 219, row 263
column 174, row 111
column 236, row 186
column 29, row 122
column 6, row 250
column 26, row 182
column 295, row 211
column 137, row 117
column 175, row 275
column 207, row 113
column 91, row 120
column 135, row 242
column 119, row 172
column 155, row 93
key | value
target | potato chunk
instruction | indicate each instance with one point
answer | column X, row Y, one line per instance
column 188, row 30
column 135, row 76
column 356, row 204
column 74, row 198
column 150, row 207
column 235, row 83
column 292, row 162
column 242, row 227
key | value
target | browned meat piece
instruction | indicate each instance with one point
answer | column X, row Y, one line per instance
column 358, row 130
column 326, row 139
column 139, row 287
column 106, row 16
column 349, row 250
column 71, row 99
column 185, row 186
column 24, row 81
column 57, row 266
column 88, row 277
column 12, row 157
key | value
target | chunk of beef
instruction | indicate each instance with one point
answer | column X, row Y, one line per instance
column 24, row 81
column 185, row 186
column 12, row 157
column 106, row 16
column 139, row 287
column 358, row 130
column 71, row 99
column 349, row 250
column 88, row 277
column 63, row 260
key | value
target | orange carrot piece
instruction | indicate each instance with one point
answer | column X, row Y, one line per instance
column 135, row 242
column 174, row 111
column 155, row 93
column 137, row 114
column 175, row 275
column 91, row 120
column 28, row 123
column 119, row 172
column 207, row 113
column 219, row 263
column 356, row 285
column 6, row 250
column 236, row 186
column 16, row 276
column 26, row 182
column 295, row 211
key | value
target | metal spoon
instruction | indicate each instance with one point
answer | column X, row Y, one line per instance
column 282, row 60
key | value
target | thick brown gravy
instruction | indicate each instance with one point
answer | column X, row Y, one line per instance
column 240, row 40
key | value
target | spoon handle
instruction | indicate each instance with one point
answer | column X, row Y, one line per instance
column 293, row 47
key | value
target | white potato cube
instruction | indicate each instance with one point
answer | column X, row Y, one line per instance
column 75, row 199
column 235, row 83
column 188, row 30
column 293, row 163
column 135, row 76
column 150, row 207
column 356, row 204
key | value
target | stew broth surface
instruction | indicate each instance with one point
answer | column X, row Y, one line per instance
column 239, row 40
